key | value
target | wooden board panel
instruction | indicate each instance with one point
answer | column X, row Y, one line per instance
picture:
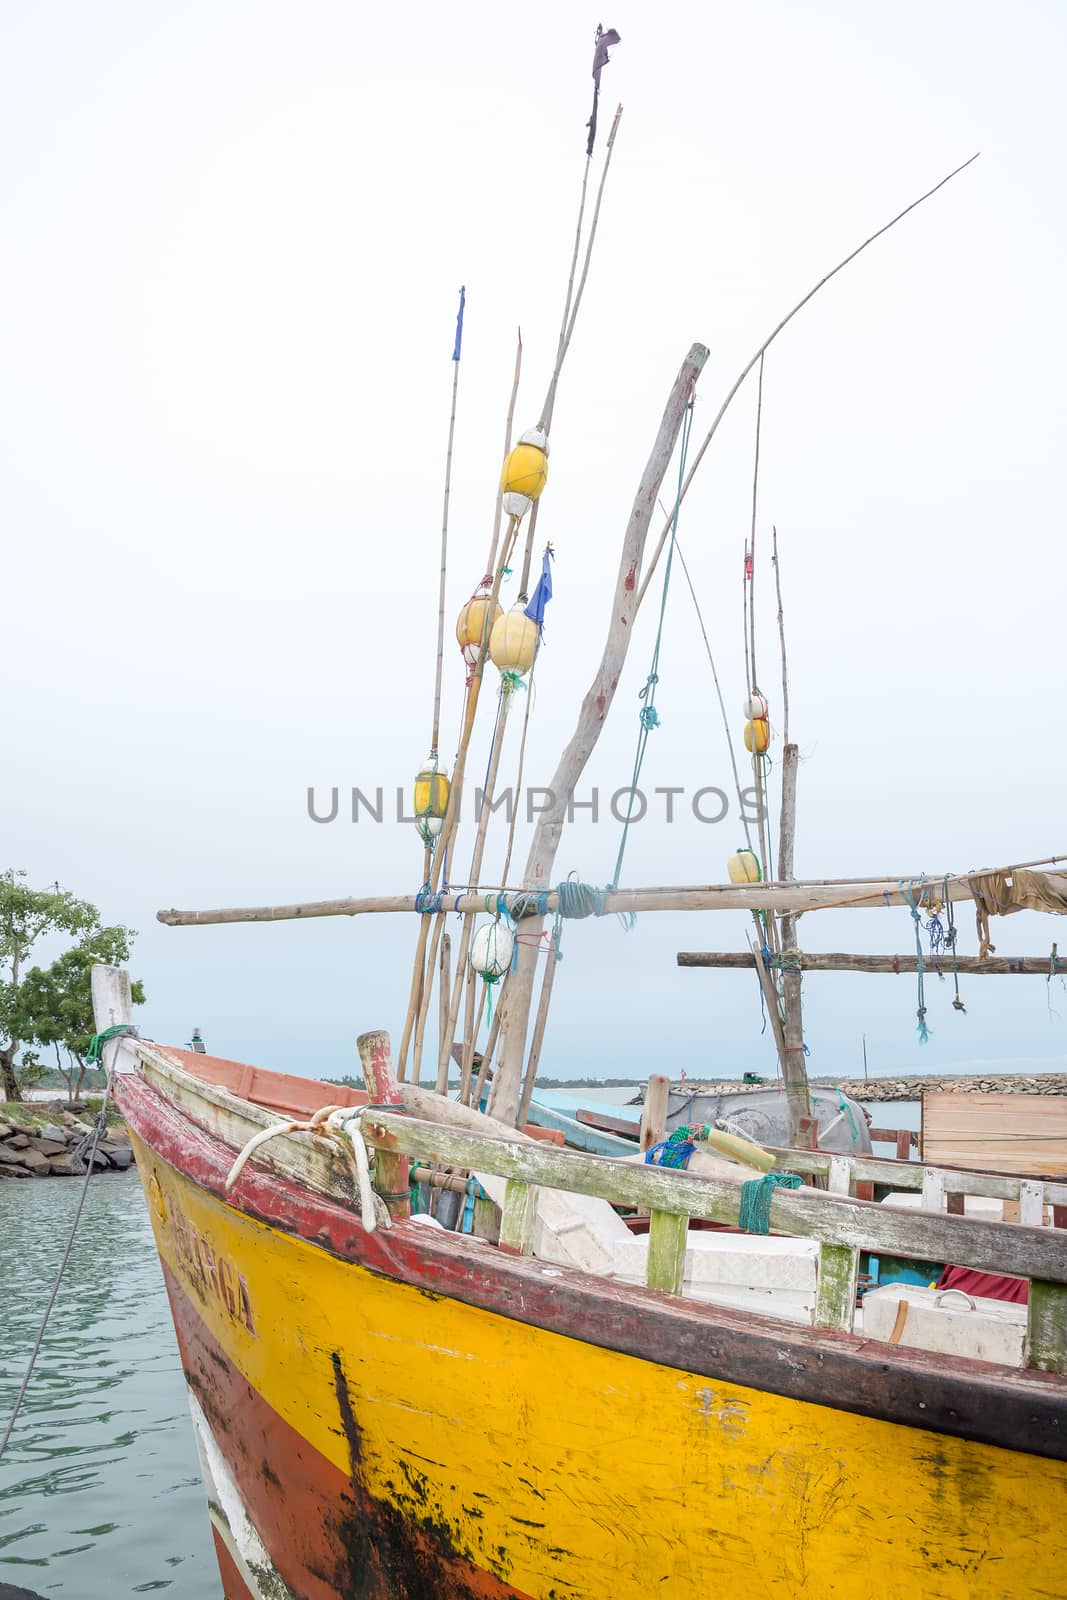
column 1012, row 1132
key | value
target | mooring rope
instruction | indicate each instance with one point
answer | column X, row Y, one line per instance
column 96, row 1045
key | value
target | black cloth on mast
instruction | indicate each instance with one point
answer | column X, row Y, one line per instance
column 600, row 61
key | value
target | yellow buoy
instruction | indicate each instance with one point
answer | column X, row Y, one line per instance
column 524, row 473
column 475, row 622
column 757, row 735
column 431, row 792
column 431, row 801
column 743, row 867
column 513, row 641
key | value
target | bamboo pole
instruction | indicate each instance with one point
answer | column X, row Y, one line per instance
column 516, row 1004
column 468, row 1035
column 451, row 817
column 540, row 1023
column 444, row 532
column 812, row 894
column 423, row 1012
column 765, row 346
column 444, row 983
column 467, row 929
column 841, row 961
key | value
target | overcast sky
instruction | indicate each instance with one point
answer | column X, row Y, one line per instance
column 233, row 236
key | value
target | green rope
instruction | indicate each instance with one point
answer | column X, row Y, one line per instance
column 756, row 1196
column 649, row 716
column 95, row 1052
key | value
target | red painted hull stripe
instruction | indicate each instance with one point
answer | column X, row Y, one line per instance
column 325, row 1533
column 1017, row 1410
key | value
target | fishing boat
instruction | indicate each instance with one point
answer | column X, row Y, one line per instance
column 542, row 1402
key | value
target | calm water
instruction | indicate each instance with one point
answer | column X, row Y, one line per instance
column 100, row 1493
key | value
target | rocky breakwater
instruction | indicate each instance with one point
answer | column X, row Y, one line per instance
column 58, row 1147
column 883, row 1089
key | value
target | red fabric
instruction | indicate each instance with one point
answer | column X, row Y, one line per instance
column 990, row 1285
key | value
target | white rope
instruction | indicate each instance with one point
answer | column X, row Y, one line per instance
column 342, row 1125
column 345, row 1122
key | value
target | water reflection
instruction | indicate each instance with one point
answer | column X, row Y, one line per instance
column 100, row 1494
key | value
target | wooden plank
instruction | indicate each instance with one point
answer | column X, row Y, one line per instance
column 908, row 1175
column 1046, row 1327
column 310, row 1159
column 839, row 961
column 1014, row 1132
column 989, row 1246
column 835, row 1295
column 518, row 1217
column 667, row 1233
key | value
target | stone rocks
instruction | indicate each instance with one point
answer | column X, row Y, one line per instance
column 47, row 1150
column 48, row 1147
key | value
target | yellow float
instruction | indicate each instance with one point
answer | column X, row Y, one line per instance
column 524, row 473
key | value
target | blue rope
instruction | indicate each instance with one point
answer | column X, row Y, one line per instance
column 754, row 1214
column 921, row 1028
column 649, row 717
column 675, row 1151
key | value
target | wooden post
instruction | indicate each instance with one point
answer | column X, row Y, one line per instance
column 112, row 1007
column 667, row 1234
column 933, row 1192
column 519, row 1217
column 1031, row 1203
column 840, row 1180
column 842, row 961
column 654, row 1112
column 507, row 1083
column 794, row 1072
column 903, row 1144
column 391, row 1170
column 1046, row 1327
column 835, row 1297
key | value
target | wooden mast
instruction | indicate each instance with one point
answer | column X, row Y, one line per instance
column 515, row 1004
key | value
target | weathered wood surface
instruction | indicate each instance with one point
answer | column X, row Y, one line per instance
column 667, row 1236
column 909, row 1175
column 1014, row 1410
column 311, row 1159
column 391, row 1177
column 839, row 961
column 1046, row 1327
column 516, row 1003
column 835, row 1294
column 518, row 1217
column 989, row 1246
column 1016, row 1133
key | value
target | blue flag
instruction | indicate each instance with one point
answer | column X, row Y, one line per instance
column 459, row 323
column 542, row 594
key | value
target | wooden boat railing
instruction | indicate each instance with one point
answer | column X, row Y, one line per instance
column 842, row 1225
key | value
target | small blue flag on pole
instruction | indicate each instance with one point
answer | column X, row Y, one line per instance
column 459, row 323
column 542, row 594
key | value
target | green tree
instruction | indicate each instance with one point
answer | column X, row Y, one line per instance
column 26, row 916
column 55, row 1005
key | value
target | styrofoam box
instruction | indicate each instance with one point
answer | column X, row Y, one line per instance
column 995, row 1330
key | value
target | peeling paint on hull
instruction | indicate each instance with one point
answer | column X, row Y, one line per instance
column 397, row 1441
